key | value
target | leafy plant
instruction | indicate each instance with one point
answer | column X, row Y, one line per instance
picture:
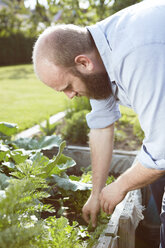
column 7, row 130
column 48, row 128
column 30, row 181
column 120, row 135
column 76, row 129
column 138, row 132
column 77, row 104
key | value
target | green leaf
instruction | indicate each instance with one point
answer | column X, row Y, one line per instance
column 65, row 163
column 8, row 129
column 4, row 149
column 53, row 162
column 43, row 143
column 19, row 156
column 68, row 184
column 9, row 165
column 2, row 194
column 4, row 181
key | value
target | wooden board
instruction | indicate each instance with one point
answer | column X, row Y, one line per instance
column 120, row 231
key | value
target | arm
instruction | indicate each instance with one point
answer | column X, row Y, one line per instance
column 135, row 177
column 101, row 143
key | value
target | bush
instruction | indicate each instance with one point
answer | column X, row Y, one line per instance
column 76, row 129
column 16, row 49
column 137, row 130
column 77, row 104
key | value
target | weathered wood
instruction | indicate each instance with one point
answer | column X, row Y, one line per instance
column 120, row 232
column 126, row 233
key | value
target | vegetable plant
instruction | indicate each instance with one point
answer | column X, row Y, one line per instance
column 29, row 181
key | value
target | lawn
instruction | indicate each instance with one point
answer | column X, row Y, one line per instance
column 24, row 99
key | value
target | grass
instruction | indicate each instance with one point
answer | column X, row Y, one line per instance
column 24, row 99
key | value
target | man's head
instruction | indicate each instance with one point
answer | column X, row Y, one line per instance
column 65, row 58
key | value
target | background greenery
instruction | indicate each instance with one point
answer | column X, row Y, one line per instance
column 20, row 25
column 24, row 99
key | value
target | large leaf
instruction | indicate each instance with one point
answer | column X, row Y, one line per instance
column 8, row 129
column 2, row 194
column 65, row 162
column 48, row 167
column 9, row 165
column 4, row 149
column 19, row 155
column 67, row 184
column 4, row 181
column 62, row 165
column 53, row 162
column 43, row 143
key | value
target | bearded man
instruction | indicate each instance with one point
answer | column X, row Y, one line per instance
column 120, row 60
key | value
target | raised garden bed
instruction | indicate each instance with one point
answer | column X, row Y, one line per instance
column 126, row 216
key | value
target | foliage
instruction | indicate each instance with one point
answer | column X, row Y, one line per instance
column 24, row 190
column 120, row 4
column 137, row 130
column 63, row 234
column 48, row 128
column 76, row 129
column 16, row 49
column 120, row 135
column 20, row 209
column 7, row 129
column 18, row 32
column 26, row 187
column 77, row 104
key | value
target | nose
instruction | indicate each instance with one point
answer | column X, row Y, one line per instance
column 70, row 93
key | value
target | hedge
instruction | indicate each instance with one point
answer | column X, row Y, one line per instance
column 16, row 49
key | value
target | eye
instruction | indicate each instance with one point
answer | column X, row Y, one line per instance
column 69, row 87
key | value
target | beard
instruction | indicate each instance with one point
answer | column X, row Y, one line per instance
column 97, row 84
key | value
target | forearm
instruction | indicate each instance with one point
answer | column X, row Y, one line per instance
column 137, row 177
column 134, row 178
column 101, row 144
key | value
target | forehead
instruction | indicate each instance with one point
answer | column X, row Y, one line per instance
column 52, row 75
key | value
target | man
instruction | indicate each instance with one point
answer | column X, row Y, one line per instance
column 119, row 60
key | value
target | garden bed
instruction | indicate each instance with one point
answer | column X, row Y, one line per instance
column 36, row 162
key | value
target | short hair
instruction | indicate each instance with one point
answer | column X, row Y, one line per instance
column 60, row 44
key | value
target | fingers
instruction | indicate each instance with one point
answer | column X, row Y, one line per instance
column 94, row 219
column 89, row 215
column 106, row 203
column 86, row 215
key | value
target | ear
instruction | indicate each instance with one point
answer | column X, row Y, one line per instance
column 84, row 63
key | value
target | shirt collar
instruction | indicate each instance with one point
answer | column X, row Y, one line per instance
column 103, row 48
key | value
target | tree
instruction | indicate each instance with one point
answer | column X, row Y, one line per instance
column 121, row 4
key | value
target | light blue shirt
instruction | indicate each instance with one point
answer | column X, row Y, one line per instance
column 132, row 46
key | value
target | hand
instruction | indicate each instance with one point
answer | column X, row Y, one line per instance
column 91, row 209
column 110, row 196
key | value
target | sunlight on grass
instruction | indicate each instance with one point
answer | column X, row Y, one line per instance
column 24, row 99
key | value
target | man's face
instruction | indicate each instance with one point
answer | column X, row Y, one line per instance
column 73, row 83
column 97, row 84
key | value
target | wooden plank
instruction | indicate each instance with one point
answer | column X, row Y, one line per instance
column 126, row 233
column 109, row 237
column 129, row 219
column 120, row 231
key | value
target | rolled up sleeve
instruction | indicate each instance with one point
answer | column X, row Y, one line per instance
column 143, row 75
column 104, row 113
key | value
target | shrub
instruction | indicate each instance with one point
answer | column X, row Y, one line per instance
column 137, row 130
column 16, row 49
column 77, row 104
column 76, row 129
